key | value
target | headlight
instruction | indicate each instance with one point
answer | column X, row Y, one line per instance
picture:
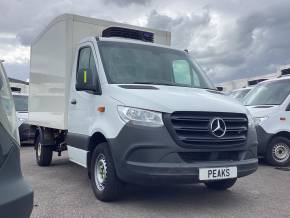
column 140, row 116
column 259, row 120
column 250, row 119
column 21, row 120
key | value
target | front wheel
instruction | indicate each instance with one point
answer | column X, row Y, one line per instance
column 105, row 183
column 220, row 185
column 43, row 153
column 278, row 151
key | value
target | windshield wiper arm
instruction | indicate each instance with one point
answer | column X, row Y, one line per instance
column 172, row 84
column 212, row 89
column 156, row 83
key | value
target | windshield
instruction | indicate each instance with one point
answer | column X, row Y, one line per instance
column 7, row 110
column 128, row 63
column 269, row 93
column 21, row 103
column 239, row 94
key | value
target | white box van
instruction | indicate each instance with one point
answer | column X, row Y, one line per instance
column 133, row 110
column 269, row 103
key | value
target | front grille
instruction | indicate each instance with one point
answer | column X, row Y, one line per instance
column 192, row 129
column 190, row 157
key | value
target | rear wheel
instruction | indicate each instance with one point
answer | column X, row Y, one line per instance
column 43, row 153
column 105, row 183
column 220, row 184
column 278, row 151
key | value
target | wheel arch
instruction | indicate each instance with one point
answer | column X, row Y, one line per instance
column 269, row 156
column 38, row 131
column 46, row 134
column 285, row 134
column 94, row 141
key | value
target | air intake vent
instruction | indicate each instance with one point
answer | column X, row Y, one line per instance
column 128, row 33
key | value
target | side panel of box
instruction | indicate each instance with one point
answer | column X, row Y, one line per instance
column 48, row 77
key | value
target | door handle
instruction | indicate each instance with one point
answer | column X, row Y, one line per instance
column 73, row 101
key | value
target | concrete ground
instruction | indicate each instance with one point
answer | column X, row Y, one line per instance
column 63, row 190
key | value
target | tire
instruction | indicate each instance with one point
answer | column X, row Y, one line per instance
column 43, row 154
column 105, row 183
column 278, row 151
column 221, row 185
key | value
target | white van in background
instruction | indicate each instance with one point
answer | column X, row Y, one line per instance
column 21, row 107
column 26, row 131
column 131, row 109
column 269, row 104
column 241, row 93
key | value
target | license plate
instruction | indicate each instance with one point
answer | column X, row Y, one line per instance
column 217, row 173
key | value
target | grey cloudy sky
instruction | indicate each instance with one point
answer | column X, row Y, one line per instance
column 230, row 38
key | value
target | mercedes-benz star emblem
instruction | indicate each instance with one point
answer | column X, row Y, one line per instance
column 218, row 127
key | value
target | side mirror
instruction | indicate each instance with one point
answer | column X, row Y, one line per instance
column 85, row 81
column 220, row 88
column 288, row 107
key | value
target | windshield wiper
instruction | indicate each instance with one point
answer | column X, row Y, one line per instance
column 173, row 84
column 212, row 89
column 158, row 83
column 254, row 105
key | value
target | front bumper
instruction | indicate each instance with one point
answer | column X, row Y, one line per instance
column 16, row 197
column 263, row 140
column 145, row 155
column 26, row 132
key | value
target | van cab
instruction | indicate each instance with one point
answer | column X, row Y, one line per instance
column 269, row 104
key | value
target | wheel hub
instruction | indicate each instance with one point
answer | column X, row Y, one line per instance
column 100, row 172
column 281, row 152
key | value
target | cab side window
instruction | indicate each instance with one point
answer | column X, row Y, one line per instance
column 184, row 74
column 84, row 58
column 87, row 75
column 181, row 72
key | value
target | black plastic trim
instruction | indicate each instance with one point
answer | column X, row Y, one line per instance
column 288, row 107
column 146, row 155
column 138, row 87
column 263, row 140
column 78, row 140
column 16, row 198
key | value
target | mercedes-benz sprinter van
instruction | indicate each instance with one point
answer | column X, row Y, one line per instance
column 269, row 103
column 132, row 109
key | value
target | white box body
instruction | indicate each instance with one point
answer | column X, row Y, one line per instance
column 52, row 55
